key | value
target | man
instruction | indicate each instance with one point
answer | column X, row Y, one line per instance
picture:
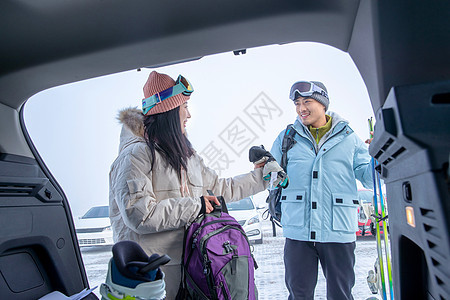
column 319, row 207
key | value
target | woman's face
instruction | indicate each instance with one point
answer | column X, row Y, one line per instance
column 184, row 116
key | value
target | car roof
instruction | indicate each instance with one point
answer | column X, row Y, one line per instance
column 116, row 36
column 49, row 43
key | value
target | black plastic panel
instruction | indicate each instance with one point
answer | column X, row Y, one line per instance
column 38, row 254
column 20, row 272
column 412, row 142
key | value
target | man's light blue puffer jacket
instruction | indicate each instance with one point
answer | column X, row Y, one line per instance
column 320, row 204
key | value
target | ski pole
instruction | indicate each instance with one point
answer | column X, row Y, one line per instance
column 377, row 225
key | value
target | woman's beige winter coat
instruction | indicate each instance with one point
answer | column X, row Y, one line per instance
column 147, row 205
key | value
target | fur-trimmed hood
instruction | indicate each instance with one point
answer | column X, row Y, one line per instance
column 132, row 120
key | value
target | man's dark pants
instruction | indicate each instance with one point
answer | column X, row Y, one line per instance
column 301, row 264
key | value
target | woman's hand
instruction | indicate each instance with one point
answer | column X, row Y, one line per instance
column 260, row 165
column 209, row 200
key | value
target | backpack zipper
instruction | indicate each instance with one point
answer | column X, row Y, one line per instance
column 224, row 290
column 209, row 276
column 212, row 233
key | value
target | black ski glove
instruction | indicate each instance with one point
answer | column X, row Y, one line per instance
column 257, row 153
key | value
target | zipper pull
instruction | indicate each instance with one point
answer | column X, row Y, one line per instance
column 254, row 262
column 207, row 264
column 234, row 264
column 227, row 247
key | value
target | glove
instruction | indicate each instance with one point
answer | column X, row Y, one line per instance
column 282, row 178
column 257, row 155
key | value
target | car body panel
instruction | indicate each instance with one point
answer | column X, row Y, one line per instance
column 94, row 229
column 366, row 202
column 243, row 214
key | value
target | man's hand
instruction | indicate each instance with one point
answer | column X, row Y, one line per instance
column 209, row 201
column 282, row 178
column 368, row 141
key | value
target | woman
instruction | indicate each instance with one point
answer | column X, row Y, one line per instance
column 158, row 182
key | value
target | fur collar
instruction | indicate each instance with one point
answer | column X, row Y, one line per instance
column 133, row 119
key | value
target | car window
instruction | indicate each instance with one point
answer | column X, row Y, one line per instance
column 244, row 204
column 238, row 101
column 97, row 212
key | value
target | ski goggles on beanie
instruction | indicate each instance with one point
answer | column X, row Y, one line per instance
column 182, row 86
column 305, row 89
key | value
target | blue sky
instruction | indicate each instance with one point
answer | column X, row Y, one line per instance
column 238, row 102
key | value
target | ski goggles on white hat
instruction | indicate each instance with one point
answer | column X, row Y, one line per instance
column 305, row 89
column 182, row 86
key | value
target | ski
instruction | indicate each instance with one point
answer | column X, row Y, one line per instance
column 379, row 275
column 378, row 235
column 384, row 218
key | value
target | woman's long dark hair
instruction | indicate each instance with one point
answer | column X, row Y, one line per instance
column 163, row 133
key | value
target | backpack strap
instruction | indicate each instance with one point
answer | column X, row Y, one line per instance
column 286, row 145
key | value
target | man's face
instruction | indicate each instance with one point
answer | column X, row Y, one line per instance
column 310, row 111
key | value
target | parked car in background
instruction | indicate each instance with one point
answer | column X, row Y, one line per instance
column 94, row 227
column 366, row 228
column 244, row 211
column 364, row 209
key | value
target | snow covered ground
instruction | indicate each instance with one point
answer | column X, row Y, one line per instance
column 270, row 274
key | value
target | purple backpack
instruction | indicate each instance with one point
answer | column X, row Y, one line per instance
column 217, row 261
